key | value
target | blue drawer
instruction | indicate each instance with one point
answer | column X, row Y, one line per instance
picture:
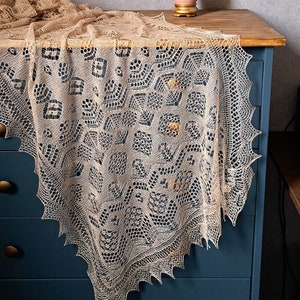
column 255, row 73
column 212, row 289
column 18, row 169
column 256, row 123
column 43, row 254
column 9, row 144
column 195, row 289
column 232, row 259
column 66, row 289
column 249, row 208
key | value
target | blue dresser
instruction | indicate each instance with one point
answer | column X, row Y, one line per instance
column 35, row 264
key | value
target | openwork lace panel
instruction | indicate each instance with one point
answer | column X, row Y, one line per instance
column 141, row 133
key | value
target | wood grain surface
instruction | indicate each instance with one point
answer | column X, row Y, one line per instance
column 253, row 31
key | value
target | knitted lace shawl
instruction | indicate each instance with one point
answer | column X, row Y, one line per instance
column 140, row 129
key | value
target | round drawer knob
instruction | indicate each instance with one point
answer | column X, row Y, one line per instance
column 11, row 251
column 2, row 130
column 4, row 186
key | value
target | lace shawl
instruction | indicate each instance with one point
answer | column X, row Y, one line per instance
column 140, row 129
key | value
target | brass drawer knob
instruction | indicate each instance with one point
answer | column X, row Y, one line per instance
column 5, row 186
column 2, row 130
column 11, row 251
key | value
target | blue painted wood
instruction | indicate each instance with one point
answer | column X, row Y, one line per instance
column 231, row 273
column 183, row 289
column 254, row 71
column 267, row 54
column 9, row 144
column 195, row 289
column 44, row 254
column 249, row 208
column 232, row 259
column 66, row 289
column 256, row 124
column 46, row 257
column 18, row 169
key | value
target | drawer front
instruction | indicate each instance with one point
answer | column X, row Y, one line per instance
column 232, row 259
column 187, row 289
column 255, row 70
column 67, row 289
column 41, row 253
column 44, row 255
column 255, row 73
column 256, row 123
column 195, row 289
column 18, row 169
column 249, row 208
column 9, row 144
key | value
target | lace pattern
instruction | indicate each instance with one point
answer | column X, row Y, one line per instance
column 141, row 138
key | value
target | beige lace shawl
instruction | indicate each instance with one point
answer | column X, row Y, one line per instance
column 141, row 132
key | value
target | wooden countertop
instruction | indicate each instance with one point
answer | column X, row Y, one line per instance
column 253, row 31
column 284, row 148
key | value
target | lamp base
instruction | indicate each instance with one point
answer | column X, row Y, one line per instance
column 185, row 10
